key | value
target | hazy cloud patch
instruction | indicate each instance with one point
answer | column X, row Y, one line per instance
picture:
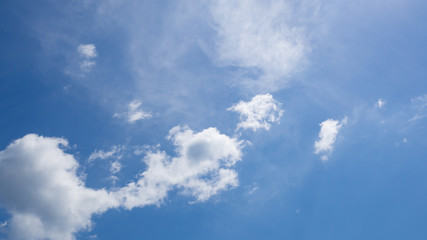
column 87, row 54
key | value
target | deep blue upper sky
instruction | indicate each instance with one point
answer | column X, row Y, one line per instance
column 88, row 71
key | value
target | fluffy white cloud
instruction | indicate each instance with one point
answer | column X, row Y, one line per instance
column 39, row 187
column 87, row 53
column 201, row 168
column 134, row 112
column 258, row 113
column 261, row 35
column 327, row 136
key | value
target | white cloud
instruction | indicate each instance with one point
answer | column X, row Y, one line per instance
column 3, row 224
column 420, row 105
column 115, row 167
column 87, row 53
column 87, row 50
column 421, row 101
column 262, row 36
column 116, row 153
column 201, row 168
column 134, row 112
column 87, row 65
column 140, row 150
column 100, row 154
column 327, row 136
column 380, row 103
column 253, row 188
column 258, row 113
column 39, row 187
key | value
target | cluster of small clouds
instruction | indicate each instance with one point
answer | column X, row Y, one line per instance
column 329, row 130
column 47, row 199
column 413, row 112
column 259, row 35
column 40, row 188
column 258, row 113
column 87, row 54
column 115, row 165
column 52, row 201
column 134, row 112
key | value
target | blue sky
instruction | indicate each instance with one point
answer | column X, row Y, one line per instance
column 213, row 120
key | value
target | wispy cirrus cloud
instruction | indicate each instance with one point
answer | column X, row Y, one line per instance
column 260, row 36
column 101, row 154
column 420, row 105
column 134, row 112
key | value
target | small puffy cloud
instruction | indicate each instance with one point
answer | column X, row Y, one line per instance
column 39, row 187
column 134, row 112
column 87, row 50
column 329, row 130
column 258, row 113
column 380, row 103
column 87, row 53
column 201, row 168
column 261, row 36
